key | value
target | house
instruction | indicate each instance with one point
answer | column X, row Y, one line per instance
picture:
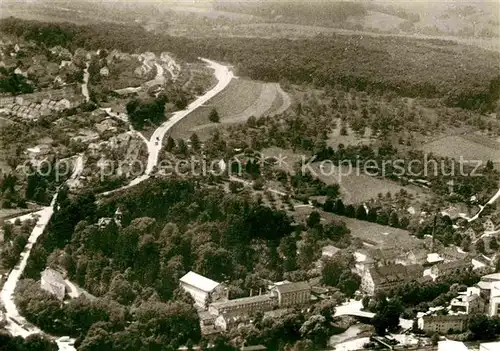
column 471, row 233
column 386, row 278
column 492, row 223
column 329, row 251
column 228, row 321
column 489, row 291
column 468, row 302
column 434, row 258
column 443, row 324
column 202, row 289
column 104, row 71
column 53, row 282
column 291, row 294
column 243, row 306
column 453, row 267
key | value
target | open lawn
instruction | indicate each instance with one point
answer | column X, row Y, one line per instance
column 457, row 146
column 370, row 233
column 242, row 99
column 357, row 187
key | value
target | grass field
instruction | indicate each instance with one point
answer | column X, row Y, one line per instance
column 466, row 147
column 371, row 233
column 357, row 187
column 242, row 99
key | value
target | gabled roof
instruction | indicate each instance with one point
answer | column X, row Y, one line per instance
column 292, row 287
column 199, row 281
column 396, row 273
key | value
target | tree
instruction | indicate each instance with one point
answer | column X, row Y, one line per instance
column 493, row 244
column 361, row 213
column 195, row 142
column 387, row 316
column 314, row 219
column 394, row 220
column 435, row 339
column 214, row 116
column 350, row 211
column 482, row 327
column 480, row 246
column 339, row 207
column 170, row 145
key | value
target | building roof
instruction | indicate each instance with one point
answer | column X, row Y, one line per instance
column 242, row 301
column 329, row 250
column 199, row 281
column 490, row 346
column 458, row 264
column 292, row 287
column 450, row 345
column 253, row 348
column 434, row 257
column 396, row 272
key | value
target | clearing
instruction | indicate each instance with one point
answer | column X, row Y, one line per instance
column 242, row 99
column 370, row 233
column 357, row 187
column 468, row 147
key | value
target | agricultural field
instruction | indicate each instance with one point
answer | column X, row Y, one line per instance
column 357, row 187
column 370, row 233
column 242, row 99
column 467, row 147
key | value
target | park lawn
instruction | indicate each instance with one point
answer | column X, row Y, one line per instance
column 370, row 233
column 242, row 99
column 456, row 146
column 357, row 187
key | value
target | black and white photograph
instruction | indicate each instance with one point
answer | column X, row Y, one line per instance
column 249, row 175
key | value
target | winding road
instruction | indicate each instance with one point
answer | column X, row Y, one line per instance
column 224, row 76
column 16, row 323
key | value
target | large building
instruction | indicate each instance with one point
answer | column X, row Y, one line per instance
column 291, row 294
column 443, row 324
column 53, row 282
column 202, row 289
column 489, row 288
column 469, row 302
column 243, row 306
column 489, row 346
column 386, row 278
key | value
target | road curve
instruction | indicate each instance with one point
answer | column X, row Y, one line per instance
column 224, row 76
column 16, row 324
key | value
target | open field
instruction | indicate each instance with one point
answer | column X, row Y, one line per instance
column 242, row 99
column 457, row 146
column 371, row 233
column 357, row 187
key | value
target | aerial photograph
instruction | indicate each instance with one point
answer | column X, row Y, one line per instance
column 249, row 175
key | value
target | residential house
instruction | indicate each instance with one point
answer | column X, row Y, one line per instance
column 104, row 71
column 386, row 278
column 468, row 302
column 443, row 324
column 454, row 267
column 228, row 321
column 53, row 282
column 202, row 289
column 291, row 294
column 492, row 223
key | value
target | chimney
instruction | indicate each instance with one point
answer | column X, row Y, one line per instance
column 260, row 291
column 251, row 292
column 227, row 293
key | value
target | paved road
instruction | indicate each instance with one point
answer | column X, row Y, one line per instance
column 154, row 145
column 16, row 324
column 85, row 85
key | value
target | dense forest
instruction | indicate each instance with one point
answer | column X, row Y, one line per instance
column 310, row 13
column 458, row 74
column 168, row 228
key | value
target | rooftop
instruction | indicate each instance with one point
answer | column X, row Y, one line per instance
column 242, row 301
column 199, row 281
column 450, row 345
column 291, row 287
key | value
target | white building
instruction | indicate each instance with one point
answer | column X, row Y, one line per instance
column 450, row 345
column 490, row 346
column 202, row 289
